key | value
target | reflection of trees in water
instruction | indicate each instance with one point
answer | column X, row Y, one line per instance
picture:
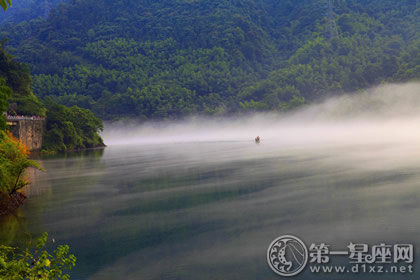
column 67, row 177
column 92, row 154
column 40, row 180
column 37, row 182
column 77, row 170
column 176, row 187
column 13, row 228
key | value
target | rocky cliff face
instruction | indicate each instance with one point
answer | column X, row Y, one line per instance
column 30, row 132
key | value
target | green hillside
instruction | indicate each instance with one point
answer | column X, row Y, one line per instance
column 27, row 10
column 16, row 82
column 169, row 58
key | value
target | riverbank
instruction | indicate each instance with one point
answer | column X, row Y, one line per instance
column 9, row 204
column 34, row 154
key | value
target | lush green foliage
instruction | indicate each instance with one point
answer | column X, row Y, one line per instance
column 5, row 93
column 35, row 263
column 166, row 58
column 71, row 128
column 13, row 154
column 67, row 128
column 16, row 76
column 27, row 10
column 13, row 162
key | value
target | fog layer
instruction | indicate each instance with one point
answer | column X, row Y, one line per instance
column 388, row 113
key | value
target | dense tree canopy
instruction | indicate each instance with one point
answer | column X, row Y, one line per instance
column 71, row 128
column 13, row 162
column 166, row 58
column 5, row 93
column 27, row 10
column 67, row 128
column 15, row 76
column 36, row 262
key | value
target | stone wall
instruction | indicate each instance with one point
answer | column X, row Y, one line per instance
column 30, row 132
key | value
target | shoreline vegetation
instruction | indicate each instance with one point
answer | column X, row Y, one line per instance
column 67, row 129
column 54, row 152
column 35, row 262
column 71, row 129
column 14, row 160
column 9, row 204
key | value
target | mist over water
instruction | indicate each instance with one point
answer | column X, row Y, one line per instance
column 387, row 113
column 198, row 199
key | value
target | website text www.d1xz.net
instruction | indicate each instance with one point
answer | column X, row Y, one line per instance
column 288, row 255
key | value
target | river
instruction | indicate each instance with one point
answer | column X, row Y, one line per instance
column 209, row 207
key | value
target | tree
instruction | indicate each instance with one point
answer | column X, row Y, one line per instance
column 17, row 77
column 36, row 263
column 13, row 162
column 71, row 128
column 167, row 59
column 3, row 4
column 5, row 93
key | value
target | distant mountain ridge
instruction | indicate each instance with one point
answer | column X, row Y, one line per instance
column 170, row 58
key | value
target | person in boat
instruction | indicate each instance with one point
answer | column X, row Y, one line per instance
column 257, row 139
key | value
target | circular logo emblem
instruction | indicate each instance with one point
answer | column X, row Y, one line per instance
column 287, row 255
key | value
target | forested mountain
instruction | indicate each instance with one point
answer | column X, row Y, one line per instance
column 168, row 58
column 15, row 87
column 27, row 10
column 66, row 129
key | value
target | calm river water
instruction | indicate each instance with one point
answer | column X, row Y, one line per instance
column 209, row 210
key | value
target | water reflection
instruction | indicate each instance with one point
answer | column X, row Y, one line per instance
column 209, row 210
column 11, row 227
